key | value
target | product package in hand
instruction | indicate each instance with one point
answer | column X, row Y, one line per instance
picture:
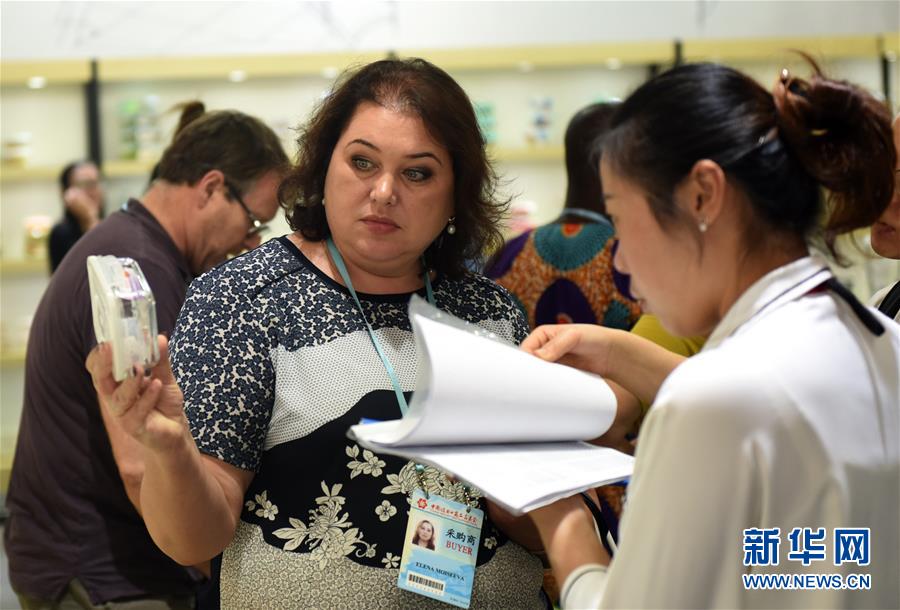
column 124, row 313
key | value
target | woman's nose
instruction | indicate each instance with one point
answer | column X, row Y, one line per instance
column 619, row 259
column 383, row 189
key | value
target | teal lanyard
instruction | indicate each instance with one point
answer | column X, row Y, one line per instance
column 342, row 269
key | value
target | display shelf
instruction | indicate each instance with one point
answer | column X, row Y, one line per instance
column 22, row 267
column 127, row 168
column 251, row 66
column 6, row 460
column 522, row 58
column 762, row 49
column 111, row 169
column 890, row 45
column 12, row 357
column 19, row 73
column 526, row 154
column 527, row 58
column 13, row 173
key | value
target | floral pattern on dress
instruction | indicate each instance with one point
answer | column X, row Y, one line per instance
column 431, row 481
column 385, row 511
column 329, row 534
column 371, row 464
column 262, row 507
column 391, row 561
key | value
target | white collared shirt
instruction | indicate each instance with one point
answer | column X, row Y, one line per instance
column 789, row 417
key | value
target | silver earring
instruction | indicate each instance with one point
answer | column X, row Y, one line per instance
column 703, row 226
column 323, row 202
column 451, row 228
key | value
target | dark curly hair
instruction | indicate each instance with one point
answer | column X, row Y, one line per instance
column 421, row 88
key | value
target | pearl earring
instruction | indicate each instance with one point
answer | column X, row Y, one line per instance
column 703, row 226
column 451, row 228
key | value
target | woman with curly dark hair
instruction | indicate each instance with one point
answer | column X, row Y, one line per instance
column 279, row 351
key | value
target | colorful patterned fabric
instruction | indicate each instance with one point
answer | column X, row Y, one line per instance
column 563, row 273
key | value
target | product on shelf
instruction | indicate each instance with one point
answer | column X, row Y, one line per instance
column 14, row 333
column 541, row 119
column 487, row 120
column 17, row 149
column 140, row 133
column 37, row 230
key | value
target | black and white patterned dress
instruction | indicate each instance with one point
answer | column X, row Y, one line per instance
column 275, row 364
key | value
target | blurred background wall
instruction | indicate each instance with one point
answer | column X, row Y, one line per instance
column 34, row 30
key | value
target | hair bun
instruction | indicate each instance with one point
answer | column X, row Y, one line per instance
column 841, row 135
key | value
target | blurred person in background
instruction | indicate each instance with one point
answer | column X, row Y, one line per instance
column 562, row 272
column 75, row 537
column 886, row 239
column 82, row 194
column 781, row 438
column 279, row 351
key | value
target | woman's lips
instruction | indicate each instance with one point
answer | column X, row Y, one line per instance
column 380, row 224
column 882, row 226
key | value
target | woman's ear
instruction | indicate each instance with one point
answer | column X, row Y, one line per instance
column 706, row 185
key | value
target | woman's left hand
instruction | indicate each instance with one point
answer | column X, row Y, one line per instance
column 570, row 540
column 520, row 529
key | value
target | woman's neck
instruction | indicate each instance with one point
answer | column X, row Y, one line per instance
column 752, row 268
column 366, row 278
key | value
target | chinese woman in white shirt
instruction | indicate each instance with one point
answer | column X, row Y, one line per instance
column 790, row 415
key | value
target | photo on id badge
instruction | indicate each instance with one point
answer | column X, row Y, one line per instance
column 440, row 549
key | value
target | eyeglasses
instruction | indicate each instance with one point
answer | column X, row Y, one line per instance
column 256, row 225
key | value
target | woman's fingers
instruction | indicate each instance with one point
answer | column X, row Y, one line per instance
column 552, row 343
column 163, row 369
column 139, row 412
column 99, row 365
column 538, row 337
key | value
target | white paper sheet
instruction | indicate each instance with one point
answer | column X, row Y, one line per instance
column 522, row 477
column 472, row 390
column 499, row 419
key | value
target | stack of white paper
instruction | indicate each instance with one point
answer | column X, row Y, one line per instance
column 499, row 419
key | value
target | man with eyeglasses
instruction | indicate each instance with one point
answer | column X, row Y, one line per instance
column 82, row 194
column 75, row 536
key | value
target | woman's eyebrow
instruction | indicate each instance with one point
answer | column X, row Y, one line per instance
column 419, row 155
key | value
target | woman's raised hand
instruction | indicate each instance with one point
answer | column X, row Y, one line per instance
column 149, row 408
column 583, row 346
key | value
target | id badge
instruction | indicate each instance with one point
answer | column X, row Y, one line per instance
column 440, row 549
